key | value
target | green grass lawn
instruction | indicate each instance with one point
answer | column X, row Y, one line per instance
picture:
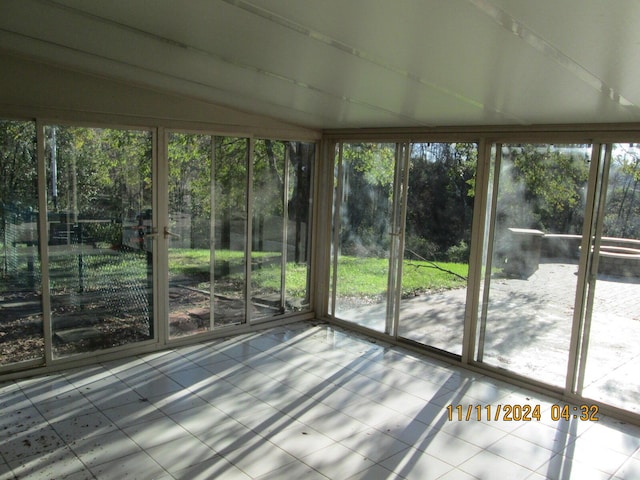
column 368, row 276
column 356, row 276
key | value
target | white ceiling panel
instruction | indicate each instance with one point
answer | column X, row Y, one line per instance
column 355, row 63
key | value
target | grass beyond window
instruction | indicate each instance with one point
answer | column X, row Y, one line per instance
column 356, row 276
column 368, row 276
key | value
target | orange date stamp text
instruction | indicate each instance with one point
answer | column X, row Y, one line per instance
column 521, row 413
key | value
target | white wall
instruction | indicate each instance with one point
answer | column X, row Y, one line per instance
column 32, row 89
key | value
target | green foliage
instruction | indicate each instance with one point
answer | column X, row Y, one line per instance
column 368, row 171
column 622, row 213
column 18, row 164
column 18, row 182
column 231, row 160
column 101, row 173
column 458, row 253
column 374, row 160
column 268, row 177
column 189, row 184
column 417, row 247
column 543, row 188
column 110, row 233
column 440, row 197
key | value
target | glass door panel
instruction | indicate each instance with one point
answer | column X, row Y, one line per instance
column 298, row 225
column 268, row 250
column 21, row 329
column 613, row 353
column 189, row 233
column 281, row 210
column 230, row 175
column 531, row 277
column 100, row 259
column 206, row 232
column 209, row 186
column 436, row 245
column 364, row 210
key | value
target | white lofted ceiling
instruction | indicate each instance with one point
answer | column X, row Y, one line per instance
column 355, row 63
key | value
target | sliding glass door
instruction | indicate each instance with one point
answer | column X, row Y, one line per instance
column 363, row 234
column 21, row 325
column 559, row 278
column 532, row 269
column 205, row 235
column 94, row 222
column 238, row 230
column 100, row 248
column 562, row 276
column 439, row 211
column 280, row 212
column 611, row 341
column 402, row 231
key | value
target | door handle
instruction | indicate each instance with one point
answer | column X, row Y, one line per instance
column 168, row 233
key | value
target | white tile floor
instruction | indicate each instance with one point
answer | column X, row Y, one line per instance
column 302, row 401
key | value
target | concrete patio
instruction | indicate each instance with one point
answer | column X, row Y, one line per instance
column 528, row 329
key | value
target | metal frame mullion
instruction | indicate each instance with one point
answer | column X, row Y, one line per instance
column 393, row 241
column 577, row 326
column 212, row 233
column 400, row 221
column 285, row 229
column 336, row 230
column 591, row 240
column 490, row 239
column 248, row 247
column 43, row 243
column 479, row 230
column 159, row 244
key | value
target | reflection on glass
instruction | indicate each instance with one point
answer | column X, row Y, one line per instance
column 529, row 298
column 436, row 249
column 365, row 210
column 613, row 355
column 230, row 214
column 298, row 245
column 100, row 261
column 280, row 218
column 190, row 234
column 21, row 333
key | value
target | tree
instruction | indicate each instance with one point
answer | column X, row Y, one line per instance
column 440, row 203
column 190, row 186
column 18, row 188
column 542, row 187
column 231, row 164
column 368, row 173
column 622, row 214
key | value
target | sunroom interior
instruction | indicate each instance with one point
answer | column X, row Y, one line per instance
column 430, row 208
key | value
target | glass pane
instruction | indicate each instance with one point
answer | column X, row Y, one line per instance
column 268, row 243
column 365, row 210
column 230, row 186
column 613, row 358
column 189, row 242
column 438, row 234
column 99, row 213
column 21, row 331
column 301, row 157
column 527, row 318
